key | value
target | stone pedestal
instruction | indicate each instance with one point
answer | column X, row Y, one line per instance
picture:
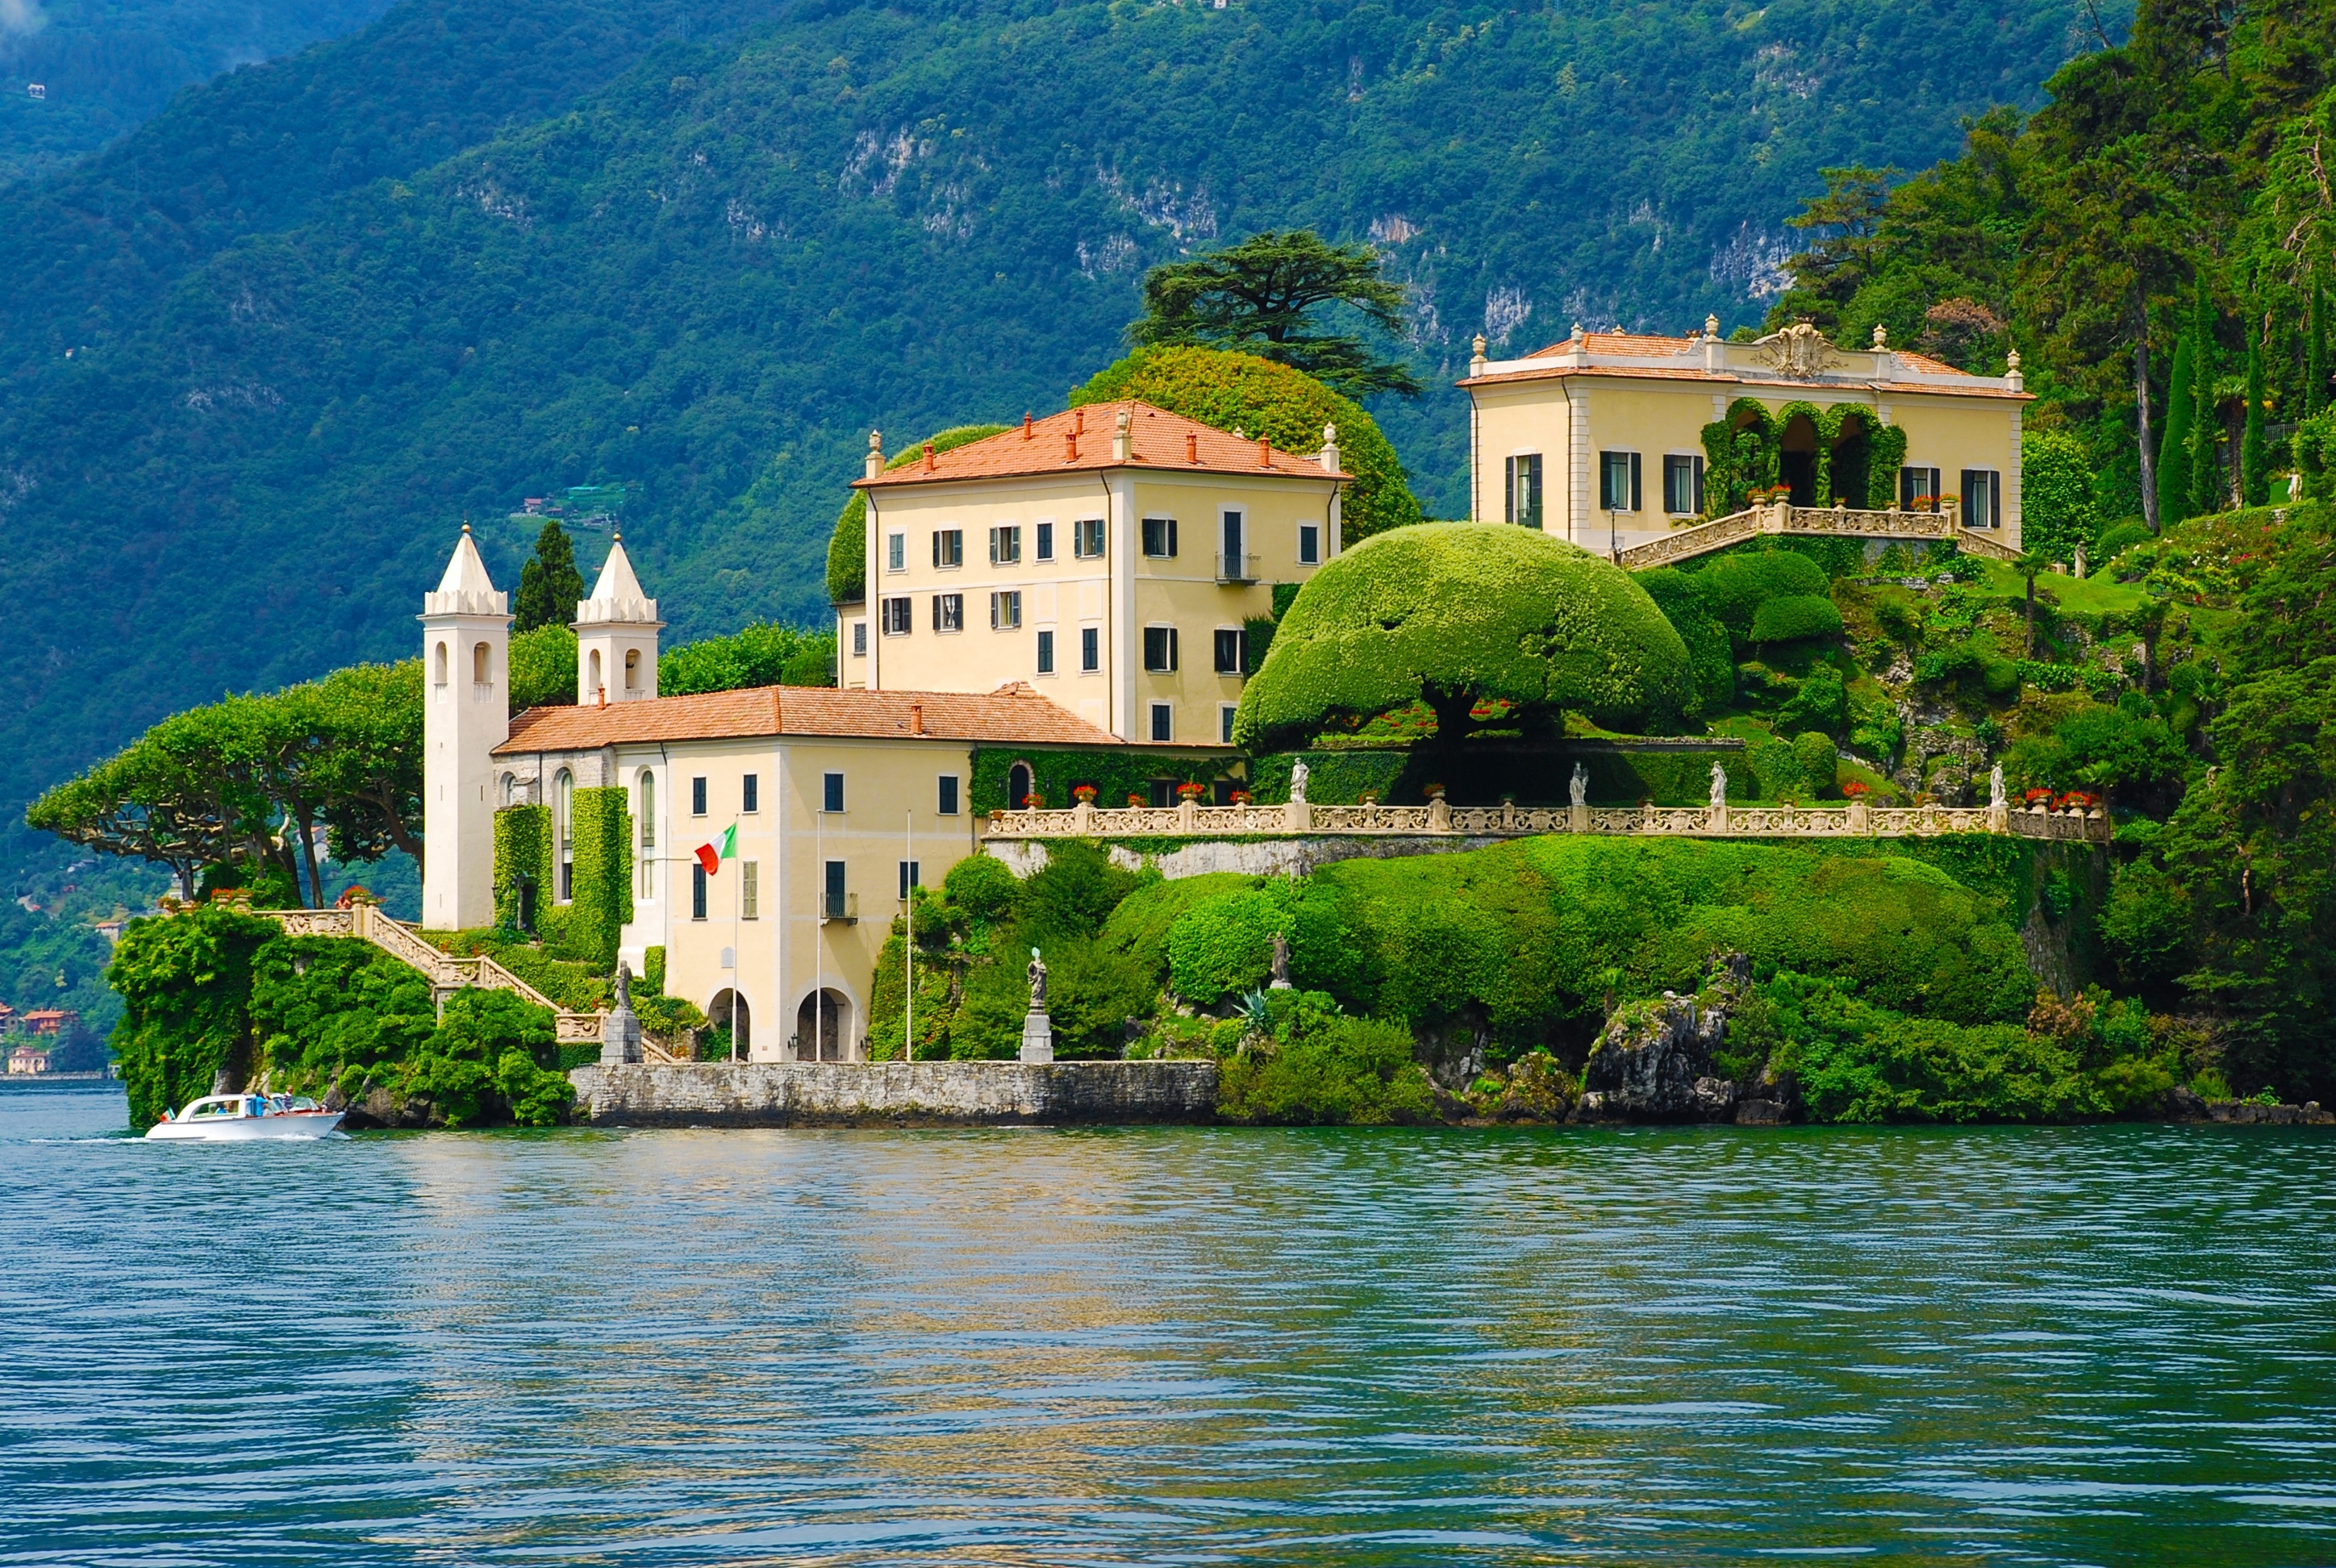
column 1577, row 819
column 620, row 1038
column 1038, row 1037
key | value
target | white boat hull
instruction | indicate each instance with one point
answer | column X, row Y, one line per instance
column 296, row 1126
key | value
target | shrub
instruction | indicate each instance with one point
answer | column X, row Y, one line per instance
column 1819, row 760
column 2056, row 493
column 2145, row 925
column 847, row 543
column 2116, row 540
column 1822, row 703
column 1735, row 585
column 1791, row 617
column 489, row 1053
column 982, row 887
column 1710, row 659
column 1076, row 890
column 1350, row 1070
column 1288, row 407
column 185, row 984
column 1455, row 614
column 1223, row 947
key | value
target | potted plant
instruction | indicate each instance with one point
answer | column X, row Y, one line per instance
column 1433, row 792
column 1034, row 802
column 1368, row 798
column 1137, row 801
column 1855, row 788
column 1240, row 798
column 1083, row 794
column 1188, row 791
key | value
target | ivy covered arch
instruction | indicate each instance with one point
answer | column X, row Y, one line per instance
column 1857, row 456
column 1739, row 456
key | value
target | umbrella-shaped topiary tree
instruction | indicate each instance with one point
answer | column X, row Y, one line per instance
column 1458, row 614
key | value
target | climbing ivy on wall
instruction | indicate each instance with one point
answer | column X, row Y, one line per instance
column 1116, row 774
column 522, row 853
column 600, row 900
column 1857, row 458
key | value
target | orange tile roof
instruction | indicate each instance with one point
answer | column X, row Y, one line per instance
column 1639, row 342
column 1080, row 439
column 1013, row 713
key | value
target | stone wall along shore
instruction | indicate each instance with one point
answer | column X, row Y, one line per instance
column 847, row 1094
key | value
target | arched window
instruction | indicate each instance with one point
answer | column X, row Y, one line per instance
column 592, row 680
column 644, row 808
column 632, row 669
column 481, row 667
column 563, row 829
column 1017, row 786
column 438, row 665
column 511, row 790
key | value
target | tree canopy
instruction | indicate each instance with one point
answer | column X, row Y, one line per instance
column 1267, row 296
column 550, row 585
column 1460, row 616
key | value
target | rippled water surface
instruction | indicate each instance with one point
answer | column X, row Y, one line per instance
column 2078, row 1345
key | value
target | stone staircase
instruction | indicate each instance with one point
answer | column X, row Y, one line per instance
column 447, row 974
column 1812, row 521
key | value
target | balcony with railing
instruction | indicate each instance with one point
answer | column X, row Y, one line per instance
column 839, row 909
column 1236, row 567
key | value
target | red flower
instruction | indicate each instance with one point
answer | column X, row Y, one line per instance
column 1190, row 790
column 1083, row 794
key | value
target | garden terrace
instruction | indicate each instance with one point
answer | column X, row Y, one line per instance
column 1855, row 819
column 1813, row 523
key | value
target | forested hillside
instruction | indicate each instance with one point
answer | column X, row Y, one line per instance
column 319, row 311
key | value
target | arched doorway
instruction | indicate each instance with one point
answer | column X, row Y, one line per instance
column 742, row 1031
column 1797, row 459
column 1018, row 786
column 824, row 1027
column 1853, row 459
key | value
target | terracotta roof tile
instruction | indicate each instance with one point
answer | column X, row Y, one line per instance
column 1737, row 378
column 1013, row 713
column 1058, row 444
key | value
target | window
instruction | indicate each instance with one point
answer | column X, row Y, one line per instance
column 1310, row 544
column 896, row 552
column 697, row 890
column 592, row 680
column 1234, row 538
column 749, row 793
column 911, row 876
column 1006, row 610
column 632, row 669
column 1918, row 489
column 896, row 617
column 438, row 665
column 1231, row 641
column 1159, row 537
column 1982, row 497
column 1682, row 485
column 1086, row 538
column 1159, row 648
column 948, row 612
column 1617, row 481
column 1163, row 721
column 1005, row 546
column 645, row 807
column 1225, row 712
column 697, row 797
column 1090, row 649
column 860, row 639
column 832, row 905
column 949, row 783
column 564, row 833
column 830, row 791
column 1045, row 542
column 949, row 547
column 1523, row 500
column 1045, row 653
column 482, row 670
column 750, row 891
column 511, row 789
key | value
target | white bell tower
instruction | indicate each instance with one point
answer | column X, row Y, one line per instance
column 616, row 637
column 465, row 714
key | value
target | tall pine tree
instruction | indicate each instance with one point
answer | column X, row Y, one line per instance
column 2207, row 486
column 2254, row 452
column 2316, row 350
column 548, row 585
column 2173, row 447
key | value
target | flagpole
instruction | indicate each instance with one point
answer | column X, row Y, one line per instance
column 819, row 933
column 909, row 956
column 736, row 969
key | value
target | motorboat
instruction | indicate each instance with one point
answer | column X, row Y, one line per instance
column 239, row 1118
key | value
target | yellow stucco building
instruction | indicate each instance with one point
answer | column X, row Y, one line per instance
column 1108, row 555
column 1602, row 439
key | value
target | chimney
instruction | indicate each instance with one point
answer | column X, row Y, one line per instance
column 1191, row 447
column 1476, row 360
column 929, row 457
column 875, row 453
column 1071, row 447
column 1025, row 424
column 1330, row 449
column 1264, row 452
column 916, row 718
column 1123, row 438
column 1078, row 422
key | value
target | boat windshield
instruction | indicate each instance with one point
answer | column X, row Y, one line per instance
column 211, row 1109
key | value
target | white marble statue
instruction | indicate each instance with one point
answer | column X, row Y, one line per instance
column 1718, row 786
column 1995, row 789
column 1581, row 784
column 1297, row 784
column 1038, row 982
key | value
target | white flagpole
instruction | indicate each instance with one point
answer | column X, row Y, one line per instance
column 736, row 969
column 909, row 956
column 819, row 933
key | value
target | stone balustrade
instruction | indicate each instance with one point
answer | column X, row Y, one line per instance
column 447, row 974
column 1855, row 819
column 1814, row 522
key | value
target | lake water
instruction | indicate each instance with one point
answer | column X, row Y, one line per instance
column 2074, row 1345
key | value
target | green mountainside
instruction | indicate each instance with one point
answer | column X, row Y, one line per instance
column 319, row 311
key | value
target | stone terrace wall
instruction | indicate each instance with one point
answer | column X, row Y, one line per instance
column 846, row 1094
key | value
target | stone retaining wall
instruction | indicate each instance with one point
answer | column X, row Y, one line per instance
column 844, row 1094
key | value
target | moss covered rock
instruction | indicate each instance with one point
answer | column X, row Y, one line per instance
column 1457, row 615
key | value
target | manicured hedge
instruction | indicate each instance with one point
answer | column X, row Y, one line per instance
column 523, row 850
column 600, row 900
column 1709, row 653
column 1449, row 613
column 1791, row 617
column 1286, row 406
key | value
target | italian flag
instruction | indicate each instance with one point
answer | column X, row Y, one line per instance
column 711, row 856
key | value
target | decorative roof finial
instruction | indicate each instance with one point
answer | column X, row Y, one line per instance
column 1711, row 326
column 1881, row 336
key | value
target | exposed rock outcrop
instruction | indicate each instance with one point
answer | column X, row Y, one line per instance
column 1653, row 1061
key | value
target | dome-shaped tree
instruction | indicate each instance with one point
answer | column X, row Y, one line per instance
column 1456, row 614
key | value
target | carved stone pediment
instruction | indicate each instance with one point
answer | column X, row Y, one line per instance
column 1799, row 353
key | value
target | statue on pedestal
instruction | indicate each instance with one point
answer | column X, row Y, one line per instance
column 1281, row 964
column 1298, row 783
column 620, row 1029
column 1038, row 982
column 1995, row 796
column 1037, row 1029
column 1719, row 787
column 1581, row 784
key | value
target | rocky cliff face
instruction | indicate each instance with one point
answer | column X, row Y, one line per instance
column 1654, row 1061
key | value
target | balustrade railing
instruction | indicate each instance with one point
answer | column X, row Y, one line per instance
column 445, row 972
column 1841, row 522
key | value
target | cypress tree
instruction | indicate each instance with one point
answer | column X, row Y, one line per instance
column 2254, row 453
column 549, row 584
column 2316, row 350
column 2207, row 487
column 2174, row 446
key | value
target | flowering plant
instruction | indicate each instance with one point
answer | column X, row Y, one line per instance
column 1240, row 798
column 1083, row 794
column 2034, row 795
column 1034, row 802
column 1856, row 787
column 1188, row 791
column 1135, row 800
